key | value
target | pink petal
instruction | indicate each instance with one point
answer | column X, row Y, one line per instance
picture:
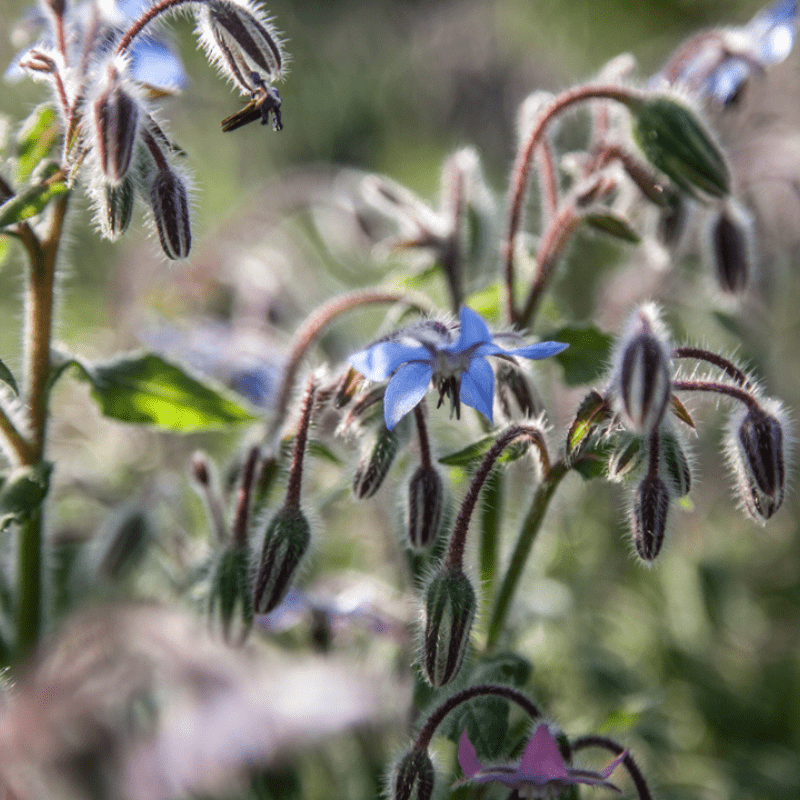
column 467, row 757
column 542, row 759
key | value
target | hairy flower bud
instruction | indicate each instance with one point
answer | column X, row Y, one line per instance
column 728, row 247
column 375, row 461
column 116, row 208
column 649, row 517
column 286, row 541
column 757, row 456
column 641, row 374
column 674, row 140
column 627, row 458
column 116, row 121
column 230, row 599
column 170, row 203
column 425, row 501
column 413, row 777
column 674, row 463
column 240, row 41
column 450, row 605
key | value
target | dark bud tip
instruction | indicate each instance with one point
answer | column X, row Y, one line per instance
column 758, row 454
column 450, row 605
column 286, row 541
column 729, row 245
column 425, row 501
column 413, row 777
column 649, row 522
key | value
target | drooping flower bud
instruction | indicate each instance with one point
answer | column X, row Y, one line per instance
column 375, row 461
column 628, row 457
column 241, row 41
column 413, row 777
column 642, row 371
column 116, row 208
column 230, row 599
column 169, row 200
column 674, row 463
column 729, row 248
column 286, row 541
column 757, row 455
column 649, row 516
column 450, row 605
column 116, row 122
column 425, row 502
column 674, row 140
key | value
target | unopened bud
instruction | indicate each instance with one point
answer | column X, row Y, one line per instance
column 515, row 394
column 450, row 605
column 230, row 599
column 413, row 777
column 757, row 454
column 425, row 501
column 642, row 376
column 170, row 203
column 116, row 208
column 240, row 42
column 729, row 248
column 116, row 120
column 286, row 541
column 375, row 462
column 649, row 517
column 675, row 463
column 674, row 140
column 626, row 458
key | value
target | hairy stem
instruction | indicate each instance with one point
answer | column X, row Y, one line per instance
column 701, row 354
column 145, row 20
column 719, row 388
column 300, row 439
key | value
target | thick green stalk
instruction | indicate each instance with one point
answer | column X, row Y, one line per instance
column 527, row 536
column 38, row 336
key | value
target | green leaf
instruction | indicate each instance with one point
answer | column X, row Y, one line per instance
column 23, row 492
column 36, row 140
column 6, row 376
column 592, row 412
column 469, row 456
column 606, row 221
column 30, row 203
column 146, row 389
column 587, row 356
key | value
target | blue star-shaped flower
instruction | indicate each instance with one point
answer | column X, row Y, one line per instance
column 457, row 366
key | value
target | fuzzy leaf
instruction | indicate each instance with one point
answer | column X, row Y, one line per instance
column 146, row 389
column 36, row 140
column 469, row 456
column 30, row 203
column 592, row 411
column 6, row 376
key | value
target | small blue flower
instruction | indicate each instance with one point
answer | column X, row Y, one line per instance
column 457, row 366
column 718, row 63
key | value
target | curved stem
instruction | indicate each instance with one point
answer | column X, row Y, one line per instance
column 422, row 433
column 455, row 552
column 727, row 366
column 520, row 175
column 582, row 742
column 242, row 515
column 145, row 20
column 527, row 536
column 720, row 388
column 300, row 439
column 428, row 730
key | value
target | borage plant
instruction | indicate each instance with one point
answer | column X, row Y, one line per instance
column 648, row 169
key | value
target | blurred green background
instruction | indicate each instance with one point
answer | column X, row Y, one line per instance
column 695, row 663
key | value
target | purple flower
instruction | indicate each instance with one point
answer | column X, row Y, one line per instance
column 542, row 772
column 455, row 363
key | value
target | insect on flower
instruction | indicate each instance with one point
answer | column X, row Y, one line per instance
column 430, row 351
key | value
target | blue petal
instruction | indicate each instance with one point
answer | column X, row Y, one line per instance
column 538, row 350
column 405, row 390
column 378, row 362
column 156, row 64
column 477, row 387
column 473, row 331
